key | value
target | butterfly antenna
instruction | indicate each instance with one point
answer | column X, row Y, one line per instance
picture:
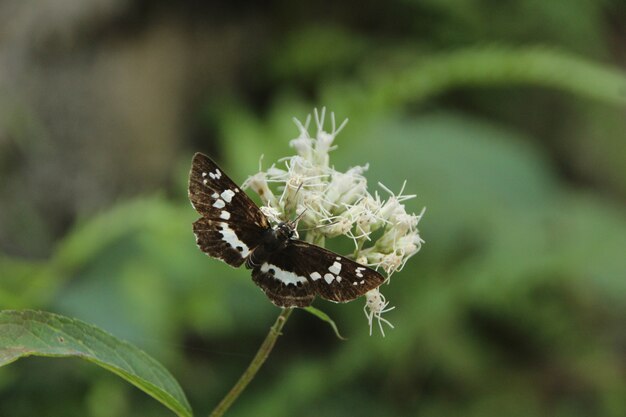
column 295, row 197
column 298, row 190
column 294, row 222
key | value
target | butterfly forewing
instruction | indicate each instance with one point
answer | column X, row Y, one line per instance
column 214, row 195
column 232, row 225
column 294, row 275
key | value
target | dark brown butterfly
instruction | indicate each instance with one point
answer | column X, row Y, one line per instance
column 291, row 272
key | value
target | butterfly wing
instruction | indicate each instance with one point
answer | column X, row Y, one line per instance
column 295, row 275
column 226, row 241
column 232, row 225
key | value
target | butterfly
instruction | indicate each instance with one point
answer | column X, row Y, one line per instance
column 291, row 272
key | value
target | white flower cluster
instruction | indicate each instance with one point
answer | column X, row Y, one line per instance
column 333, row 203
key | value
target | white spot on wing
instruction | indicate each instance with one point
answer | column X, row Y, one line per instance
column 315, row 276
column 203, row 174
column 286, row 277
column 215, row 195
column 335, row 268
column 329, row 278
column 338, row 258
column 338, row 278
column 219, row 204
column 228, row 195
column 218, row 174
column 230, row 237
column 225, row 215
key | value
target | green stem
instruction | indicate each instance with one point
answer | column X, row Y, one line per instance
column 255, row 365
column 264, row 350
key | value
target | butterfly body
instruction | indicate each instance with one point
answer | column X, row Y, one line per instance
column 274, row 240
column 291, row 272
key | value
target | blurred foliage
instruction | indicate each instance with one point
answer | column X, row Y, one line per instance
column 515, row 306
column 25, row 333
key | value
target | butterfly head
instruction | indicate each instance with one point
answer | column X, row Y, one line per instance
column 285, row 230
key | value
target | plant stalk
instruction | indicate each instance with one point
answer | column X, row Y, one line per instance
column 255, row 365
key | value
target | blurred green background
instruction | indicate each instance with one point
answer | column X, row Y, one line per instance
column 506, row 118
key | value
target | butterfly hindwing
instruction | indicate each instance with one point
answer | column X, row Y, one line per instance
column 295, row 275
column 231, row 243
column 232, row 225
column 282, row 287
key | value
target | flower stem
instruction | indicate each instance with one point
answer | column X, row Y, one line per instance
column 255, row 365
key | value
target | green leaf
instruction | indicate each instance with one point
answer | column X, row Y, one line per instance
column 425, row 76
column 34, row 333
column 325, row 317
